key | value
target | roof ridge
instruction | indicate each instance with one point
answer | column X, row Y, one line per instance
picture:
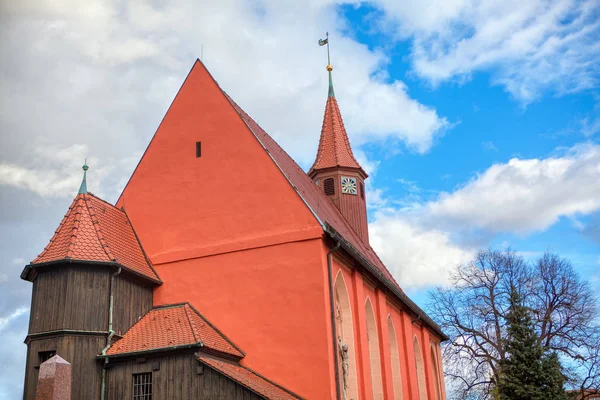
column 195, row 333
column 347, row 141
column 216, row 329
column 75, row 228
column 137, row 238
column 57, row 230
column 98, row 230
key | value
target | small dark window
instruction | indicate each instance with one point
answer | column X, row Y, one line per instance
column 142, row 386
column 329, row 186
column 198, row 149
column 361, row 187
column 46, row 355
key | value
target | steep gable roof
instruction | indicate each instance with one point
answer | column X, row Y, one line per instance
column 171, row 326
column 94, row 230
column 248, row 378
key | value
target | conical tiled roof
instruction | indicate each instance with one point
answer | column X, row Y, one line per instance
column 334, row 146
column 94, row 230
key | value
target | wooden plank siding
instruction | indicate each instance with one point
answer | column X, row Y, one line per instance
column 70, row 297
column 80, row 351
column 75, row 297
column 132, row 300
column 176, row 378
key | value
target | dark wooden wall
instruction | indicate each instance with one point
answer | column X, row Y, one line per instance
column 176, row 379
column 76, row 298
column 70, row 297
column 132, row 299
column 80, row 352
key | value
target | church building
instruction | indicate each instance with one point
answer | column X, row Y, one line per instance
column 225, row 271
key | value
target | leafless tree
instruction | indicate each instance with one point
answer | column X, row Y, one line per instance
column 472, row 313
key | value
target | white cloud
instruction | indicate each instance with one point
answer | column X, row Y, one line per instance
column 524, row 195
column 416, row 256
column 55, row 172
column 420, row 240
column 528, row 46
column 103, row 74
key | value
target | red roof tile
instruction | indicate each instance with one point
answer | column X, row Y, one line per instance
column 168, row 326
column 93, row 230
column 248, row 378
column 324, row 208
column 334, row 146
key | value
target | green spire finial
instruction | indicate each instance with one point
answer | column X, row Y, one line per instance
column 323, row 42
column 83, row 187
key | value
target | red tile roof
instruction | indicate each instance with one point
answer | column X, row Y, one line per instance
column 94, row 230
column 324, row 208
column 334, row 146
column 248, row 378
column 169, row 326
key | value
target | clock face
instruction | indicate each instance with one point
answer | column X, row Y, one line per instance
column 348, row 185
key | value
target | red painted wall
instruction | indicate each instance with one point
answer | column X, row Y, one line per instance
column 232, row 197
column 229, row 234
column 271, row 302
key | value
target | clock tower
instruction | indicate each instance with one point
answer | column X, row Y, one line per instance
column 335, row 170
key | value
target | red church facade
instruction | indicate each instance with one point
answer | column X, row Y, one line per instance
column 275, row 259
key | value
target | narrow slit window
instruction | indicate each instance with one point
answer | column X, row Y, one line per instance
column 329, row 186
column 198, row 149
column 361, row 187
column 142, row 386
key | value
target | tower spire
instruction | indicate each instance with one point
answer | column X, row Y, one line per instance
column 335, row 170
column 83, row 187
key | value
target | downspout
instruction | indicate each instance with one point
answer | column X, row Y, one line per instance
column 333, row 324
column 111, row 332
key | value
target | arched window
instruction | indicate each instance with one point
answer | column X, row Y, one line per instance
column 436, row 373
column 395, row 358
column 421, row 382
column 345, row 333
column 374, row 357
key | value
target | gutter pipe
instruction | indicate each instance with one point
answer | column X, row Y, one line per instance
column 111, row 333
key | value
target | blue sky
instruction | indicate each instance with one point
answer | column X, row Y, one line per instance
column 479, row 122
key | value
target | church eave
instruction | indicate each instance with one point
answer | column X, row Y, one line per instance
column 314, row 171
column 404, row 299
column 28, row 273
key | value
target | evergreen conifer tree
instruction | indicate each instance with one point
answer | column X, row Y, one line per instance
column 553, row 378
column 521, row 374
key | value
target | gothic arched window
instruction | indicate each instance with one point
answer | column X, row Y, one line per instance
column 436, row 373
column 421, row 382
column 395, row 358
column 345, row 333
column 374, row 356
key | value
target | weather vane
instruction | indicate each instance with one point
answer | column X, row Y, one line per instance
column 323, row 42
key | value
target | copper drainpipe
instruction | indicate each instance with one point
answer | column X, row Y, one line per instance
column 111, row 332
column 333, row 325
